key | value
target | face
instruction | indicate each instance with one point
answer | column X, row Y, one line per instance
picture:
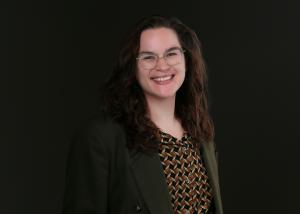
column 163, row 80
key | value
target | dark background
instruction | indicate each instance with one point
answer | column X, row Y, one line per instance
column 57, row 54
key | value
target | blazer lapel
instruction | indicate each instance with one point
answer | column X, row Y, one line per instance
column 149, row 176
column 210, row 163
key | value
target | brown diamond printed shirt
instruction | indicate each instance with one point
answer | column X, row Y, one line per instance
column 185, row 174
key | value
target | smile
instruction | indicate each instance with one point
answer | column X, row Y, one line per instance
column 162, row 79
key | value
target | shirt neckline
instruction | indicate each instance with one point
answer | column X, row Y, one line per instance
column 184, row 136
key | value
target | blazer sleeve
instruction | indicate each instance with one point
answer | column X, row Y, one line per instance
column 86, row 185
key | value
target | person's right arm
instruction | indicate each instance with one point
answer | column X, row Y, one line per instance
column 86, row 186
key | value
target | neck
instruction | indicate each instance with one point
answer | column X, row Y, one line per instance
column 161, row 111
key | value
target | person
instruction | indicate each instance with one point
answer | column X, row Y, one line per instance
column 150, row 149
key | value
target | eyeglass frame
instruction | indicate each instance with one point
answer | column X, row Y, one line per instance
column 162, row 56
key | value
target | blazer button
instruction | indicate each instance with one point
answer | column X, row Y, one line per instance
column 138, row 208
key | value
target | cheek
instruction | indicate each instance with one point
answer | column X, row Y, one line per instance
column 182, row 71
column 140, row 77
column 182, row 76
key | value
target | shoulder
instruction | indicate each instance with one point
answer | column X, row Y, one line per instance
column 101, row 130
column 101, row 123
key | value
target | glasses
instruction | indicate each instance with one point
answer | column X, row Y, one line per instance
column 148, row 60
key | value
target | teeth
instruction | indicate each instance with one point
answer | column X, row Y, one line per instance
column 160, row 79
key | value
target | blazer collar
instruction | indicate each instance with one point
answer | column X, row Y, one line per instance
column 209, row 159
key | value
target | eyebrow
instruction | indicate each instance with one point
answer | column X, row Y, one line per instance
column 169, row 49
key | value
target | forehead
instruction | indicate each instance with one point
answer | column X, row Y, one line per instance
column 158, row 40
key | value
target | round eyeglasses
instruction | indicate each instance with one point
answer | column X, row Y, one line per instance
column 148, row 60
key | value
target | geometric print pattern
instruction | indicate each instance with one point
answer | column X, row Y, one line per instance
column 185, row 174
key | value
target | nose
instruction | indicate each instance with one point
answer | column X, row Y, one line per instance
column 162, row 64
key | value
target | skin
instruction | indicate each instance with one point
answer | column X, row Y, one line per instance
column 160, row 96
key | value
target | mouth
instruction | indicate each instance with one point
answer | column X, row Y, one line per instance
column 161, row 79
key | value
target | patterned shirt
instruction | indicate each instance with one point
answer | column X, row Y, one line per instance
column 185, row 174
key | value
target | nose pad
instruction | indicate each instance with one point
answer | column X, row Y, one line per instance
column 162, row 64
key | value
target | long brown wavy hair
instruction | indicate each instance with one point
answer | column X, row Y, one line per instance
column 125, row 100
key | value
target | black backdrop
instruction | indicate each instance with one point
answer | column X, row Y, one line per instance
column 57, row 54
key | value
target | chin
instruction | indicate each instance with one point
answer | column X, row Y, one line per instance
column 165, row 95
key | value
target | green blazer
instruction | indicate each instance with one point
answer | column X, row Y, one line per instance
column 104, row 177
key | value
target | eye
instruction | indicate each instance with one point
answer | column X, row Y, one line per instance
column 172, row 53
column 148, row 57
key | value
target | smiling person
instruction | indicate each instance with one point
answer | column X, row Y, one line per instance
column 150, row 150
